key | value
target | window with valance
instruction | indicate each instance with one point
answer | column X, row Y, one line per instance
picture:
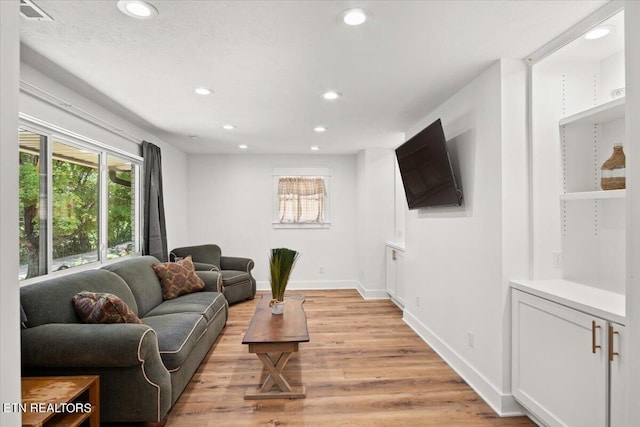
column 301, row 199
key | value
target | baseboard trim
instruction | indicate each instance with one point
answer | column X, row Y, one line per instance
column 312, row 285
column 371, row 293
column 328, row 285
column 504, row 405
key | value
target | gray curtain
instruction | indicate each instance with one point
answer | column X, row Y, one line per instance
column 155, row 230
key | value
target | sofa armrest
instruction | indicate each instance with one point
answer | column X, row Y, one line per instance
column 203, row 266
column 212, row 280
column 79, row 345
column 236, row 263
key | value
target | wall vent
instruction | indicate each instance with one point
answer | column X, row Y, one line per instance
column 31, row 12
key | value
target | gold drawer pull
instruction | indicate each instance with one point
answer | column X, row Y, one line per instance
column 611, row 352
column 593, row 336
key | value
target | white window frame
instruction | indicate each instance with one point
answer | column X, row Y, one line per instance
column 325, row 173
column 55, row 133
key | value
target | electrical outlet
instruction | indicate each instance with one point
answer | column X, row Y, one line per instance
column 470, row 339
column 557, row 260
column 417, row 301
column 321, row 271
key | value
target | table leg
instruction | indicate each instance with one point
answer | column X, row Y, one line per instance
column 94, row 399
column 275, row 378
column 275, row 372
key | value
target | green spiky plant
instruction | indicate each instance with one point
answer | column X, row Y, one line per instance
column 281, row 262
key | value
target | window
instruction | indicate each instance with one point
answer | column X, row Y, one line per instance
column 301, row 199
column 78, row 202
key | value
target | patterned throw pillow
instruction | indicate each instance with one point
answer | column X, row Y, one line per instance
column 178, row 278
column 97, row 307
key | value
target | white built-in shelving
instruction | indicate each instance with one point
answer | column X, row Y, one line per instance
column 592, row 219
column 568, row 323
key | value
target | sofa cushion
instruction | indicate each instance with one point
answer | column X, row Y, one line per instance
column 178, row 278
column 141, row 279
column 102, row 307
column 49, row 301
column 178, row 334
column 234, row 277
column 208, row 304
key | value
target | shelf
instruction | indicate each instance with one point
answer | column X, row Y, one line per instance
column 596, row 302
column 608, row 112
column 594, row 195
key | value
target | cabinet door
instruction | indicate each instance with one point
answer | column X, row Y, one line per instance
column 560, row 363
column 390, row 256
column 618, row 378
column 400, row 288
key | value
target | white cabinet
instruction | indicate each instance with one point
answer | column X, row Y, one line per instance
column 565, row 368
column 395, row 273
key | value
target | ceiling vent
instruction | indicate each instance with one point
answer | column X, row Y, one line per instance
column 31, row 12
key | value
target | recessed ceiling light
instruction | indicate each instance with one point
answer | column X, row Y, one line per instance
column 354, row 16
column 243, row 146
column 315, row 148
column 331, row 95
column 598, row 33
column 228, row 127
column 320, row 129
column 137, row 9
column 203, row 91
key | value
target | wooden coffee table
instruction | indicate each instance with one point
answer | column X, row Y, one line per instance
column 56, row 401
column 273, row 334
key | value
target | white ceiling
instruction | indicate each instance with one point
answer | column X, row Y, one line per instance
column 269, row 62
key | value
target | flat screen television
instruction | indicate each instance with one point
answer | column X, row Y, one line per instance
column 425, row 167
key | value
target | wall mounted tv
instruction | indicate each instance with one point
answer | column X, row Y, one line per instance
column 425, row 167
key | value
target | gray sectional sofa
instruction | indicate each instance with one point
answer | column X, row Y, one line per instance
column 144, row 367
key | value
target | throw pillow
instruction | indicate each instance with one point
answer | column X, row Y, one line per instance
column 97, row 307
column 178, row 278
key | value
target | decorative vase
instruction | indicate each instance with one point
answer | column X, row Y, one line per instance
column 277, row 307
column 613, row 170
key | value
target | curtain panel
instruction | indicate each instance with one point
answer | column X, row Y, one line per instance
column 155, row 230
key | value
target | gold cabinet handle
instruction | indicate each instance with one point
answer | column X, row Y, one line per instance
column 612, row 353
column 394, row 256
column 593, row 336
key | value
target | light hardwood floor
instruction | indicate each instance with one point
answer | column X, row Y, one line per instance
column 363, row 367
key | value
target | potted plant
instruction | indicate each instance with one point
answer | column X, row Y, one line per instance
column 281, row 262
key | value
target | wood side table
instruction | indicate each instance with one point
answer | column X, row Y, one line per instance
column 56, row 401
column 279, row 334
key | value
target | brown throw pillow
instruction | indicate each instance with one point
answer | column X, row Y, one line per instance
column 97, row 307
column 178, row 278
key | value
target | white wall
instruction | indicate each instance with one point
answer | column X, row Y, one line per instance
column 376, row 210
column 632, row 61
column 9, row 296
column 456, row 258
column 230, row 199
column 174, row 161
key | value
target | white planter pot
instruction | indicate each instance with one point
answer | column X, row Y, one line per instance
column 277, row 307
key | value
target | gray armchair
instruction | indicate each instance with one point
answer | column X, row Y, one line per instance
column 237, row 282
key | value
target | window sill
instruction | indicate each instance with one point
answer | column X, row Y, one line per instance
column 295, row 226
column 94, row 265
